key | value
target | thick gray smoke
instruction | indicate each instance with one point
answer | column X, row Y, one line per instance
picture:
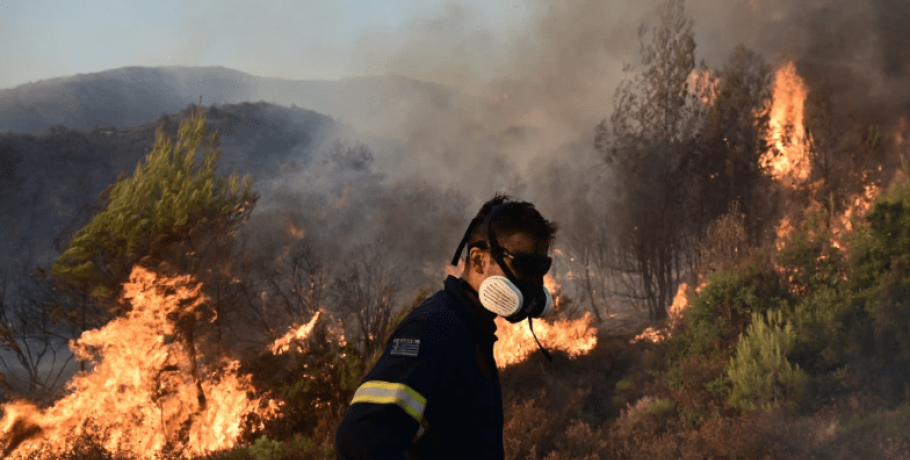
column 524, row 118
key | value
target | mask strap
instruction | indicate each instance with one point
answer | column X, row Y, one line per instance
column 542, row 349
column 464, row 240
column 497, row 252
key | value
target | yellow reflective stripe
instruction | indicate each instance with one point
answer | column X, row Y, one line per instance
column 379, row 392
column 383, row 385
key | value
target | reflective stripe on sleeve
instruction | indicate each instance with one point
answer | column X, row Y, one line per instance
column 380, row 392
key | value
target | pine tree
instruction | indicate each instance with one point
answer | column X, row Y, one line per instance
column 761, row 375
column 172, row 202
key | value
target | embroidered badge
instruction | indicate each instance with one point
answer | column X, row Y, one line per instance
column 405, row 347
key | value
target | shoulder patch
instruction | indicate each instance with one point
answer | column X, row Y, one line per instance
column 405, row 347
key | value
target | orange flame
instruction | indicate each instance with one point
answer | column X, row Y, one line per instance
column 704, row 85
column 295, row 231
column 295, row 335
column 555, row 289
column 857, row 208
column 674, row 317
column 515, row 344
column 788, row 158
column 141, row 394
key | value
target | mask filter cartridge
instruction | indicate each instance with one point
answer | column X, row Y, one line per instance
column 549, row 305
column 500, row 296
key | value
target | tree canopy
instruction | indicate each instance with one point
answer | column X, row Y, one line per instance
column 170, row 196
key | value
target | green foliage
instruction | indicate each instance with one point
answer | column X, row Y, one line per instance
column 809, row 259
column 623, row 385
column 760, row 373
column 879, row 283
column 169, row 195
column 300, row 447
column 719, row 314
column 661, row 406
column 267, row 449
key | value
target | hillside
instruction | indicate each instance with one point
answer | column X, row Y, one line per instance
column 131, row 96
column 47, row 177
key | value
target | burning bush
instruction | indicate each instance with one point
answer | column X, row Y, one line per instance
column 147, row 390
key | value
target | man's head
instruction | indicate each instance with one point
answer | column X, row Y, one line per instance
column 522, row 234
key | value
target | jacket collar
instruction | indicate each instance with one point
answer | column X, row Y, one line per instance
column 479, row 318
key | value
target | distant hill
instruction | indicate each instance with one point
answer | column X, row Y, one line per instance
column 131, row 96
column 45, row 178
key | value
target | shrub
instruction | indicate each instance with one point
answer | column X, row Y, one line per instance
column 760, row 374
column 719, row 314
column 298, row 448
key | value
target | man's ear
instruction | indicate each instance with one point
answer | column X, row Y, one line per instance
column 476, row 257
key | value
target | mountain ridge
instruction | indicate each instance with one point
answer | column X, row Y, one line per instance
column 129, row 96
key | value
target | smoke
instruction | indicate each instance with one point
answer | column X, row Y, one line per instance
column 530, row 90
column 858, row 49
column 544, row 82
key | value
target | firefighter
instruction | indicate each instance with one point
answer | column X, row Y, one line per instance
column 435, row 392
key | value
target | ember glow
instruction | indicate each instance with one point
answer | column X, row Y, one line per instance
column 515, row 344
column 788, row 158
column 147, row 390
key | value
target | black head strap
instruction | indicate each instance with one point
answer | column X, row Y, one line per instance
column 484, row 226
column 464, row 240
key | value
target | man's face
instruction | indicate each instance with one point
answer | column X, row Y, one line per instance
column 516, row 242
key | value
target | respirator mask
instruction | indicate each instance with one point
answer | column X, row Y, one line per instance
column 511, row 297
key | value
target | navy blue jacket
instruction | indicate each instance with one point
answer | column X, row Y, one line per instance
column 435, row 392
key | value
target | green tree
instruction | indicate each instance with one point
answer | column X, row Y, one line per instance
column 174, row 216
column 760, row 373
column 173, row 200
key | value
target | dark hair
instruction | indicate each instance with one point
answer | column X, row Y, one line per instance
column 514, row 217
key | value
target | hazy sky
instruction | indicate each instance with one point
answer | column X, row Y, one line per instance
column 296, row 39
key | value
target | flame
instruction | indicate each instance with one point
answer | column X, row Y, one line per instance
column 294, row 230
column 856, row 209
column 144, row 392
column 788, row 158
column 296, row 334
column 674, row 317
column 515, row 344
column 783, row 229
column 704, row 84
column 555, row 289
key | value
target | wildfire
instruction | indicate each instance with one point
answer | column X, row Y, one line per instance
column 857, row 208
column 788, row 158
column 515, row 344
column 550, row 283
column 294, row 230
column 148, row 389
column 704, row 85
column 783, row 229
column 296, row 334
column 674, row 317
